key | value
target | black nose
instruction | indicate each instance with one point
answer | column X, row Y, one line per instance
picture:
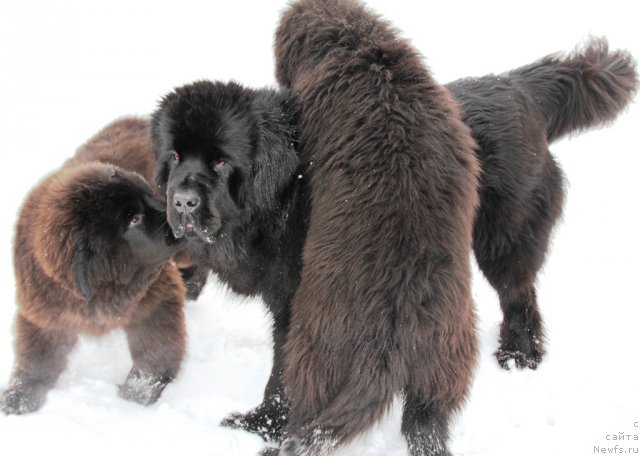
column 185, row 200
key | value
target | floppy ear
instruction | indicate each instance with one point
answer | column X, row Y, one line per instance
column 160, row 142
column 82, row 271
column 276, row 159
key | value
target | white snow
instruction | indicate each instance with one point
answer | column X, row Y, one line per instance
column 69, row 68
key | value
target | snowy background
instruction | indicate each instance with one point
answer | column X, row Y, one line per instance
column 68, row 68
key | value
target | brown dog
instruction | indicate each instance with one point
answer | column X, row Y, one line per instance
column 91, row 251
column 384, row 304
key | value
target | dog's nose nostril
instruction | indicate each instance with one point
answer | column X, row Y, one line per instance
column 186, row 200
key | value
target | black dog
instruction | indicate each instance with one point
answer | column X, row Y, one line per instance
column 244, row 181
column 235, row 188
column 514, row 117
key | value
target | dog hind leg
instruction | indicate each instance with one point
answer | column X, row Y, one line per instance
column 425, row 426
column 510, row 254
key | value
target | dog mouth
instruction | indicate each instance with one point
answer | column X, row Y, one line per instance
column 188, row 227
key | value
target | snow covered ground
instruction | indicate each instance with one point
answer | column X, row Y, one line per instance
column 68, row 68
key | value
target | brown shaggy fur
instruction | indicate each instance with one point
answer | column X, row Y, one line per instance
column 384, row 304
column 125, row 143
column 91, row 251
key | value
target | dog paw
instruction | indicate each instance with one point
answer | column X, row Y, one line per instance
column 267, row 423
column 522, row 342
column 520, row 359
column 144, row 389
column 194, row 279
column 193, row 289
column 18, row 401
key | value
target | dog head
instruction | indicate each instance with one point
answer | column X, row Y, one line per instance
column 224, row 152
column 102, row 226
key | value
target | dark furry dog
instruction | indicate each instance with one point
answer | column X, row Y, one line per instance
column 384, row 304
column 346, row 70
column 514, row 117
column 228, row 166
column 242, row 199
column 91, row 253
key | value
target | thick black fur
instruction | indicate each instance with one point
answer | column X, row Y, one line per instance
column 252, row 221
column 514, row 117
column 234, row 148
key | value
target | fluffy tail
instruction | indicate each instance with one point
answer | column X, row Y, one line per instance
column 586, row 88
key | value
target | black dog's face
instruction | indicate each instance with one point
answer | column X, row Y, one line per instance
column 204, row 138
column 224, row 152
column 202, row 190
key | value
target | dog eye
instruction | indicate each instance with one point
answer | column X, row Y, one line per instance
column 219, row 164
column 175, row 156
column 135, row 220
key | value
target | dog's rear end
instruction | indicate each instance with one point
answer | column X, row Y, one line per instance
column 384, row 303
column 582, row 90
column 514, row 116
